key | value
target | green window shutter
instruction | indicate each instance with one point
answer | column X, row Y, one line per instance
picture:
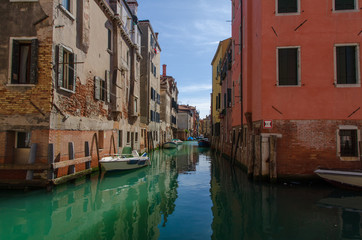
column 15, row 62
column 60, row 65
column 34, row 61
column 74, row 65
column 97, row 88
column 108, row 85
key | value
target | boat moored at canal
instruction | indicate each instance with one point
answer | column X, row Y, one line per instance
column 170, row 145
column 119, row 162
column 344, row 178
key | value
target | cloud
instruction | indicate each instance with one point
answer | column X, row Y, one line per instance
column 202, row 104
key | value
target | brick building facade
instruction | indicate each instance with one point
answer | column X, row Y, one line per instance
column 300, row 86
column 69, row 70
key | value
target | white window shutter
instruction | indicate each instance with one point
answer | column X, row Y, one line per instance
column 74, row 71
column 97, row 88
column 60, row 65
column 108, row 85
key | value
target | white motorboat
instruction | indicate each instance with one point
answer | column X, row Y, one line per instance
column 121, row 162
column 347, row 178
column 177, row 141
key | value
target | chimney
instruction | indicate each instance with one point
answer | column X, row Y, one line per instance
column 133, row 5
column 164, row 70
column 156, row 35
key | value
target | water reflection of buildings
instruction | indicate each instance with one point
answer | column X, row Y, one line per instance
column 128, row 206
column 187, row 158
column 349, row 209
column 245, row 210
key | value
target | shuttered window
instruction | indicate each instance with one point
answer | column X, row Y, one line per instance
column 346, row 64
column 229, row 97
column 288, row 61
column 102, row 88
column 344, row 4
column 24, row 62
column 67, row 68
column 287, row 6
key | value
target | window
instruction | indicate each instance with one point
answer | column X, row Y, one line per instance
column 345, row 5
column 66, row 4
column 101, row 139
column 229, row 97
column 120, row 138
column 135, row 106
column 102, row 88
column 152, row 116
column 136, row 137
column 109, row 39
column 66, row 68
column 346, row 64
column 287, row 6
column 288, row 66
column 348, row 142
column 128, row 138
column 24, row 61
column 23, row 139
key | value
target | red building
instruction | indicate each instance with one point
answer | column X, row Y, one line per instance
column 301, row 84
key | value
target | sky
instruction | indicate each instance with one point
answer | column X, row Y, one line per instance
column 189, row 34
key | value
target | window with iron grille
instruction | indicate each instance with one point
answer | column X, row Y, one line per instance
column 348, row 143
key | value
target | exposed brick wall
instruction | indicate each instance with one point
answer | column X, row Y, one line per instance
column 21, row 100
column 82, row 103
column 308, row 144
column 61, row 138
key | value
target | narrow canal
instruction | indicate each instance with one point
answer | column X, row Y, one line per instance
column 188, row 193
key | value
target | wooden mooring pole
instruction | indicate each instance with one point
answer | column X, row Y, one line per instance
column 273, row 158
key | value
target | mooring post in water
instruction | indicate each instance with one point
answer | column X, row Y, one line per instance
column 71, row 168
column 87, row 154
column 273, row 158
column 51, row 161
column 32, row 156
column 257, row 158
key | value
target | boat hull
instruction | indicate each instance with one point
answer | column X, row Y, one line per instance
column 169, row 145
column 121, row 164
column 341, row 177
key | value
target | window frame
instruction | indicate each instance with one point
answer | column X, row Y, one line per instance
column 60, row 68
column 27, row 139
column 356, row 7
column 338, row 142
column 10, row 68
column 358, row 63
column 299, row 79
column 109, row 40
column 289, row 13
column 67, row 12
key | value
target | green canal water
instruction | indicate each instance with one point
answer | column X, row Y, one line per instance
column 188, row 193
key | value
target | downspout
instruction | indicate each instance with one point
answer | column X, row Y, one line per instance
column 241, row 42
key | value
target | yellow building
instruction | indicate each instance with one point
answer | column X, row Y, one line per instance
column 216, row 86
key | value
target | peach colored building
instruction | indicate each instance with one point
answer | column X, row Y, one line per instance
column 301, row 83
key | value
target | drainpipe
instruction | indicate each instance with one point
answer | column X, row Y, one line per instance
column 241, row 42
